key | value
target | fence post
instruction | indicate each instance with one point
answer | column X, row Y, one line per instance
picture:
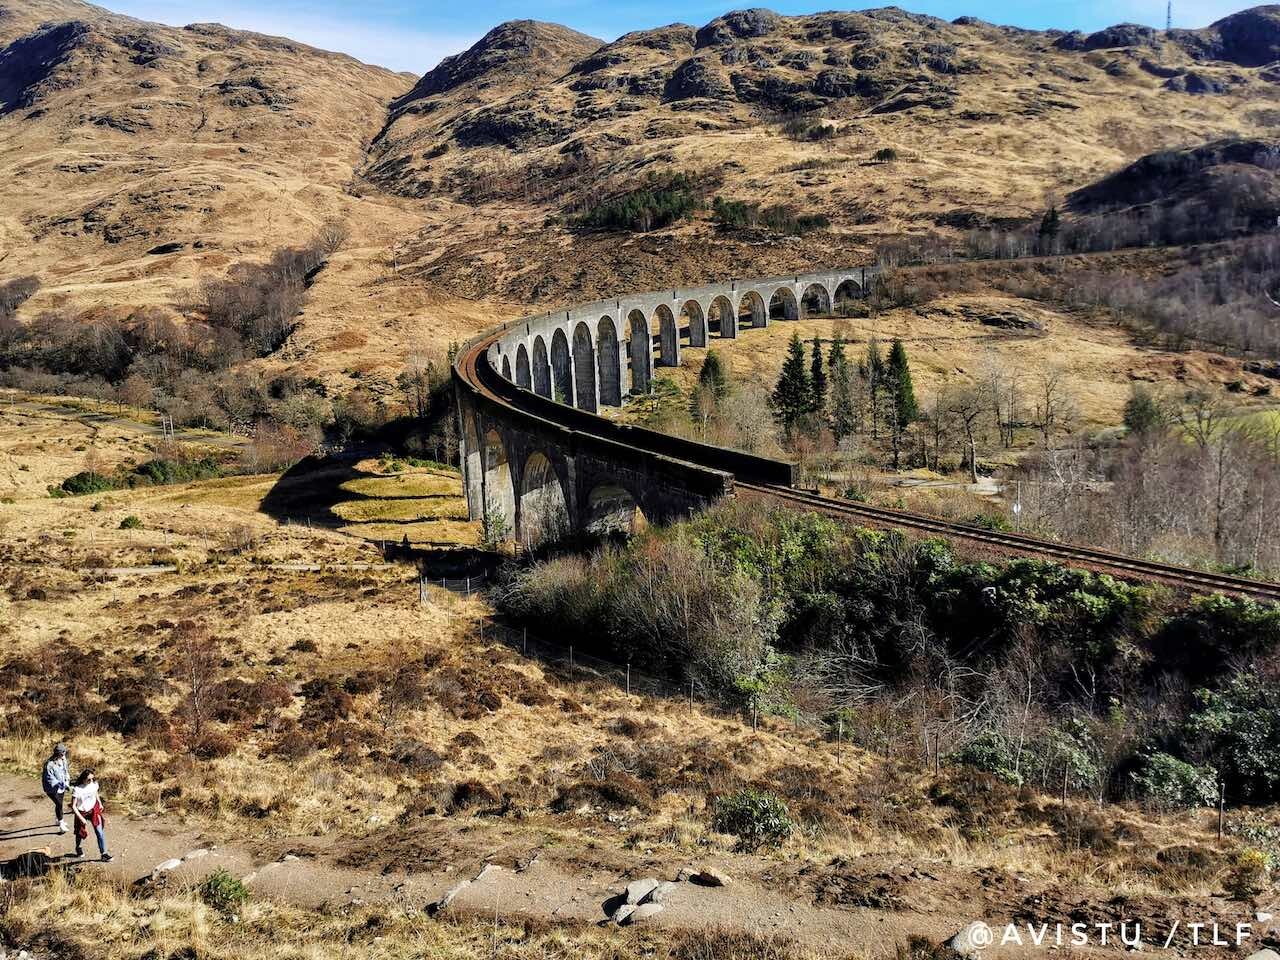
column 839, row 739
column 571, row 655
column 468, row 586
column 628, row 678
column 524, row 644
column 1222, row 806
column 937, row 753
column 691, row 695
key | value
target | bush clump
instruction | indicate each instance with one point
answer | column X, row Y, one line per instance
column 779, row 218
column 757, row 818
column 1172, row 784
column 658, row 204
column 131, row 523
column 223, row 892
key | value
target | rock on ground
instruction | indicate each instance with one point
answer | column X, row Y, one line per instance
column 637, row 890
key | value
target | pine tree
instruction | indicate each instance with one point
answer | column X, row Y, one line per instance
column 1050, row 225
column 713, row 376
column 792, row 398
column 844, row 411
column 902, row 396
column 874, row 373
column 899, row 382
column 818, row 380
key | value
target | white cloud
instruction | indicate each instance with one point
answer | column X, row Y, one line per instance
column 397, row 46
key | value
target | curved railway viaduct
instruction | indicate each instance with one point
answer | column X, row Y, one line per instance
column 539, row 461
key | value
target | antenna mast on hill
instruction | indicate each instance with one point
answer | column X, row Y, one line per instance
column 1168, row 16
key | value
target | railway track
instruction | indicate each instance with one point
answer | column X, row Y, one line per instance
column 1013, row 544
column 473, row 367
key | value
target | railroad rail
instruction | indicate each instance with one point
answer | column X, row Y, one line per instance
column 474, row 372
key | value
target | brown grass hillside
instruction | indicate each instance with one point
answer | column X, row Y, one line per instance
column 140, row 159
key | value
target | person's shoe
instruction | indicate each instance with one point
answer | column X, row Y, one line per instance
column 79, row 853
column 62, row 826
column 106, row 858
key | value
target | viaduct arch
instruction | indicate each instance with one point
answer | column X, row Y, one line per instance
column 538, row 459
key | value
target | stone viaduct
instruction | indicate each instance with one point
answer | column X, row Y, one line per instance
column 538, row 462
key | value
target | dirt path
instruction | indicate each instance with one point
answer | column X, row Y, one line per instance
column 538, row 889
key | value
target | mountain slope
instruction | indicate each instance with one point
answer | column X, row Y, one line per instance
column 138, row 159
column 118, row 137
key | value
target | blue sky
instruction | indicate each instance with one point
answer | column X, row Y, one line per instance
column 413, row 36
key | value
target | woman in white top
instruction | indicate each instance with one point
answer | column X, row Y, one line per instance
column 86, row 805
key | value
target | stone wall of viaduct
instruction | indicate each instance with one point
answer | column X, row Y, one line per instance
column 538, row 463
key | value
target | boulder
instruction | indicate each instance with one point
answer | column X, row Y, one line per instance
column 972, row 940
column 623, row 913
column 638, row 890
column 710, row 877
column 173, row 864
column 196, row 854
column 661, row 892
column 1264, row 955
column 443, row 903
column 642, row 913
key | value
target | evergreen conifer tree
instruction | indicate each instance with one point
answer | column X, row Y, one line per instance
column 818, row 379
column 792, row 398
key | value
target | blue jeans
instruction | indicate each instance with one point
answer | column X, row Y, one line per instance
column 99, row 833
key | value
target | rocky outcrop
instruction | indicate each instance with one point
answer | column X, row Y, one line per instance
column 1120, row 35
column 738, row 24
column 698, row 78
column 1250, row 38
column 520, row 48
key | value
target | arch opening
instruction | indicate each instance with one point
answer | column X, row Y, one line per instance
column 692, row 318
column 561, row 369
column 541, row 369
column 506, row 368
column 543, row 510
column 752, row 311
column 639, row 352
column 783, row 306
column 816, row 301
column 524, row 377
column 846, row 295
column 668, row 337
column 498, row 486
column 723, row 318
column 612, row 511
column 584, row 368
column 610, row 369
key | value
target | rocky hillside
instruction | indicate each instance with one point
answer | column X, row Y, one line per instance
column 137, row 156
column 139, row 159
column 986, row 123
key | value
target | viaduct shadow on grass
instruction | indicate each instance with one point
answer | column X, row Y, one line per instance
column 311, row 491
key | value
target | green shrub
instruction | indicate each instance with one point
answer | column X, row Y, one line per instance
column 1248, row 876
column 779, row 218
column 86, row 482
column 658, row 204
column 1170, row 784
column 1258, row 834
column 1239, row 726
column 131, row 523
column 757, row 818
column 223, row 892
column 992, row 754
column 885, row 155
